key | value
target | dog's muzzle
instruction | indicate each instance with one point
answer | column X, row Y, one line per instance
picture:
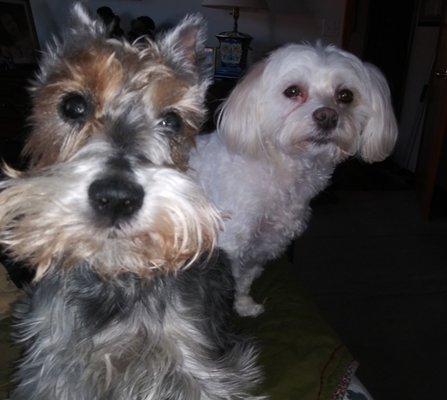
column 115, row 199
column 326, row 118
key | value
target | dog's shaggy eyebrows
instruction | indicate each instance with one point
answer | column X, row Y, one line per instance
column 109, row 74
column 95, row 73
column 129, row 301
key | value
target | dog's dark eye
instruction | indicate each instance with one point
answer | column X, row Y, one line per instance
column 293, row 91
column 74, row 106
column 172, row 122
column 345, row 96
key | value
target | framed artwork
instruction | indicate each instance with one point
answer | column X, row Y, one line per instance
column 430, row 13
column 18, row 38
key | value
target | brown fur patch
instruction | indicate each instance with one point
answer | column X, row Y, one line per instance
column 96, row 73
column 166, row 91
column 167, row 94
column 103, row 73
column 180, row 148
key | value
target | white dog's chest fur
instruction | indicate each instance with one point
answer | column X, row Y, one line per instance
column 284, row 128
column 266, row 204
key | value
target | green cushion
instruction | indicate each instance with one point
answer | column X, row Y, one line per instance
column 302, row 357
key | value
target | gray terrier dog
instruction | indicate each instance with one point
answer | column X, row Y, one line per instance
column 126, row 302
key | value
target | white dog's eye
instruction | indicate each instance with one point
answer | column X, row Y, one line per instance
column 293, row 92
column 344, row 96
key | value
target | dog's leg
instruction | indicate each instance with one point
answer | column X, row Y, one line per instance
column 244, row 276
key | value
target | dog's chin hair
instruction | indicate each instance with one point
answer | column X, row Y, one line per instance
column 179, row 228
column 339, row 146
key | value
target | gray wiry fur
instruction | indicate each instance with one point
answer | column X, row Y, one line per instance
column 175, row 50
column 90, row 336
column 115, row 312
column 182, row 47
column 87, row 338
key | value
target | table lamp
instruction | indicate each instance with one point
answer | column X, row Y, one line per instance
column 234, row 44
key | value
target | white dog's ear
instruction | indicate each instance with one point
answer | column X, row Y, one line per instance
column 239, row 122
column 380, row 133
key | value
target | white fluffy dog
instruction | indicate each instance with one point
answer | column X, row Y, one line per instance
column 281, row 133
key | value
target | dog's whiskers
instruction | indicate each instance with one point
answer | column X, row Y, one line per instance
column 129, row 299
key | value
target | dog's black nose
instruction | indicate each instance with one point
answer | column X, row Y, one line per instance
column 115, row 198
column 325, row 117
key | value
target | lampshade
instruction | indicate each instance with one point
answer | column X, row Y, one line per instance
column 242, row 4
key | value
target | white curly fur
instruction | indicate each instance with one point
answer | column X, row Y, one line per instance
column 269, row 158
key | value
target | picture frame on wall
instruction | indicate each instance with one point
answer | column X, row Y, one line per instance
column 18, row 37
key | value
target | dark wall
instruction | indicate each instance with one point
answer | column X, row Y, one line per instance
column 390, row 25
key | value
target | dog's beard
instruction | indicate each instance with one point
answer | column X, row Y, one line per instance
column 45, row 220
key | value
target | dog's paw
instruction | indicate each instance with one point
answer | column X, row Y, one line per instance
column 245, row 306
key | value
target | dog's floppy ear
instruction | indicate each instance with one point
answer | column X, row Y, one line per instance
column 239, row 122
column 184, row 45
column 380, row 133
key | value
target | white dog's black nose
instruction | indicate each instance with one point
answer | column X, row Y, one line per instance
column 325, row 117
column 115, row 198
